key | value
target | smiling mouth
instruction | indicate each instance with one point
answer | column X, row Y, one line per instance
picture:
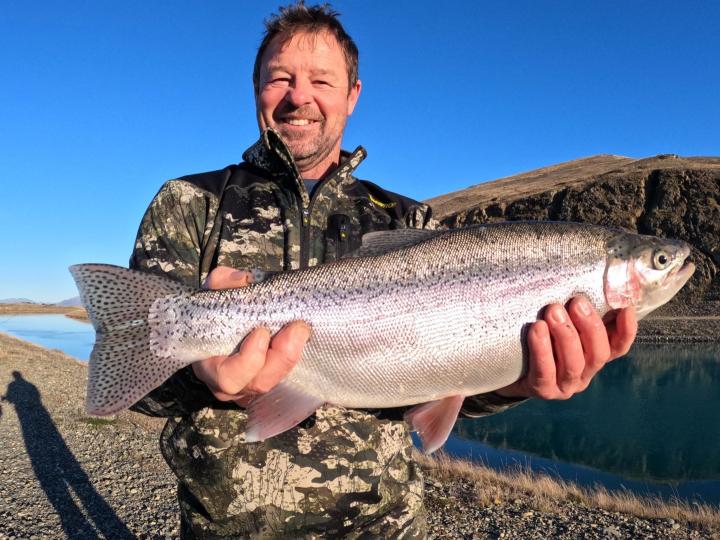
column 299, row 121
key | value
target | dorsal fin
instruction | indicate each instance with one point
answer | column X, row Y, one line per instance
column 381, row 242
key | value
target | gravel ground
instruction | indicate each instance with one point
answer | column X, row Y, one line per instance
column 65, row 475
column 682, row 323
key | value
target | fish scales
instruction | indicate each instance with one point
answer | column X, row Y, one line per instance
column 418, row 323
column 414, row 318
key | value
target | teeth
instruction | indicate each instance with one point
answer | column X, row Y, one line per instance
column 298, row 121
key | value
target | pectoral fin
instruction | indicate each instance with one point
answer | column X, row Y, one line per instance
column 282, row 408
column 434, row 421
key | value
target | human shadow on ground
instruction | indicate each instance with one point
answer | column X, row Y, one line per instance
column 58, row 471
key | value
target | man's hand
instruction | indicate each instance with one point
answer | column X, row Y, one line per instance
column 261, row 362
column 582, row 345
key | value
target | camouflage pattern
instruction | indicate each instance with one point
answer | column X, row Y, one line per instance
column 346, row 473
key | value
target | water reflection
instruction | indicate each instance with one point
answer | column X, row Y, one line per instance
column 650, row 416
column 53, row 331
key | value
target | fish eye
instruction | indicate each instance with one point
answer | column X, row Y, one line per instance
column 661, row 260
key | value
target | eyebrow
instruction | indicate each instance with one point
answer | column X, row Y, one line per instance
column 322, row 71
column 277, row 67
column 280, row 67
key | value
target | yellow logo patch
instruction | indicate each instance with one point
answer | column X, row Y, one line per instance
column 382, row 204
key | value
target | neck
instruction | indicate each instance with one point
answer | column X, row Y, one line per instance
column 316, row 171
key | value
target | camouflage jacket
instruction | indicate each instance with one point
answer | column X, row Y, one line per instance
column 340, row 473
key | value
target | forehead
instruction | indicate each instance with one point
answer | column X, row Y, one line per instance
column 308, row 50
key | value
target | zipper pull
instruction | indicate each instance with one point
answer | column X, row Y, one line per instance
column 305, row 216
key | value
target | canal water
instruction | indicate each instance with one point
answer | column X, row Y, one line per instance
column 54, row 331
column 650, row 422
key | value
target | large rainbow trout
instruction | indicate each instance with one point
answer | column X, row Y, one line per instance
column 415, row 317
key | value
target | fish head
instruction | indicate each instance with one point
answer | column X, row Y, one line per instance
column 645, row 271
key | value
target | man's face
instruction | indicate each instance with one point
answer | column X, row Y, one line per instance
column 303, row 94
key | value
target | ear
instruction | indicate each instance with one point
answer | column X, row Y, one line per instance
column 353, row 97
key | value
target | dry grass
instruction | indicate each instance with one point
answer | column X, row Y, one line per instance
column 27, row 309
column 545, row 494
column 78, row 313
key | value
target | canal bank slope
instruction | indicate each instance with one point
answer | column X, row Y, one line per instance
column 67, row 475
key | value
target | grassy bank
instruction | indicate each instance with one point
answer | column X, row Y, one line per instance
column 546, row 494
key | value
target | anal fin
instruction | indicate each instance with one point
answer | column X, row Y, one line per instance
column 282, row 408
column 434, row 421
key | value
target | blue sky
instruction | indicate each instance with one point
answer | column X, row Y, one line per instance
column 102, row 101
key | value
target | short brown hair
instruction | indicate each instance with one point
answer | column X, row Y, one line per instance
column 311, row 19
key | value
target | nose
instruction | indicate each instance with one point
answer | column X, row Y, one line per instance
column 298, row 93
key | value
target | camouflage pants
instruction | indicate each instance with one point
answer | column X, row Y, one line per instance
column 194, row 524
column 345, row 475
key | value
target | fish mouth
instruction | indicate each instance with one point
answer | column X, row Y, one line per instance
column 678, row 276
column 682, row 274
column 674, row 281
column 687, row 268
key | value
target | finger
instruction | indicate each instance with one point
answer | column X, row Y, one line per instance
column 593, row 336
column 227, row 376
column 569, row 355
column 541, row 379
column 285, row 351
column 225, row 277
column 622, row 332
column 238, row 369
column 244, row 399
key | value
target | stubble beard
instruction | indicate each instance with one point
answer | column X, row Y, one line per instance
column 309, row 151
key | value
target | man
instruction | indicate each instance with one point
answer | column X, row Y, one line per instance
column 293, row 203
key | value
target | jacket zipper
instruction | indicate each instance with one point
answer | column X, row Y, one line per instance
column 304, row 236
column 306, row 212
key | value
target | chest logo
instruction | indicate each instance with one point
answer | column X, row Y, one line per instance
column 382, row 204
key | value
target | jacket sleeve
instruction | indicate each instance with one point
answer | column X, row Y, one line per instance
column 169, row 242
column 487, row 404
column 420, row 216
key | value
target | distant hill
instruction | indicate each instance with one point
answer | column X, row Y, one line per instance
column 70, row 302
column 16, row 301
column 527, row 183
column 556, row 179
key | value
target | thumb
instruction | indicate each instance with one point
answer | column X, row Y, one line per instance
column 225, row 277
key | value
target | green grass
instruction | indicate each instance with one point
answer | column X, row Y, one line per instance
column 97, row 422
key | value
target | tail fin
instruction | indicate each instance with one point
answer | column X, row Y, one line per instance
column 122, row 367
